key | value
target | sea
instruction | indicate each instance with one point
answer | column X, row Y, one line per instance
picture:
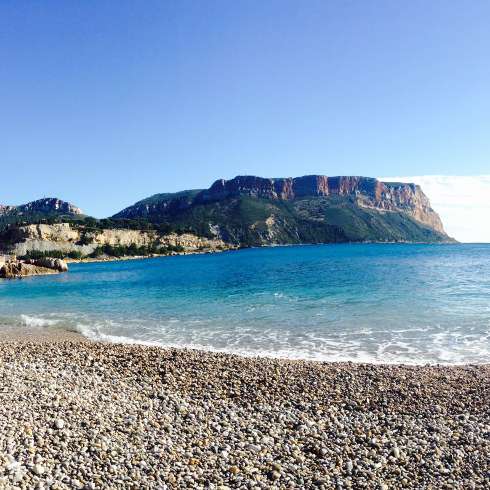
column 374, row 303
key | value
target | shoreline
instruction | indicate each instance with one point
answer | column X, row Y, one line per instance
column 54, row 334
column 181, row 417
column 102, row 259
column 237, row 248
column 40, row 335
column 141, row 257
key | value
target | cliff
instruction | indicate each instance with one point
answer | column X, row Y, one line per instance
column 244, row 211
column 368, row 192
column 46, row 208
column 67, row 238
column 310, row 209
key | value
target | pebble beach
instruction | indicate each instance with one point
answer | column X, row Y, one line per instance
column 76, row 414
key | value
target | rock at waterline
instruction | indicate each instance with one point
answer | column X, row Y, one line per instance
column 32, row 267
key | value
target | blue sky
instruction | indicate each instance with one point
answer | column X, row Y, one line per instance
column 103, row 103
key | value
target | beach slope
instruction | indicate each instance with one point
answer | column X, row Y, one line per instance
column 77, row 414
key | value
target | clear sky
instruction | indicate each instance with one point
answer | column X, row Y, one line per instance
column 104, row 102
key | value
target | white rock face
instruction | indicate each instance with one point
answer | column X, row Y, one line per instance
column 63, row 237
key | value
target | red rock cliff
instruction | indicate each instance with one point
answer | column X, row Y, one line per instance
column 368, row 192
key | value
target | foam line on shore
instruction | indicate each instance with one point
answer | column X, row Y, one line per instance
column 341, row 349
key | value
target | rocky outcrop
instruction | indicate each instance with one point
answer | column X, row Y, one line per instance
column 48, row 206
column 49, row 263
column 407, row 198
column 19, row 268
column 66, row 238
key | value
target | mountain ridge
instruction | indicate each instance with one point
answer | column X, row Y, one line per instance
column 243, row 211
column 43, row 205
column 37, row 210
column 367, row 199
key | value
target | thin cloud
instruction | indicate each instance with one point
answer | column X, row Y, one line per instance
column 463, row 203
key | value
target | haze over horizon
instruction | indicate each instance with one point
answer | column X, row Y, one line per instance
column 462, row 202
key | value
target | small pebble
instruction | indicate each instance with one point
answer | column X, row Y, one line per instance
column 38, row 469
column 145, row 417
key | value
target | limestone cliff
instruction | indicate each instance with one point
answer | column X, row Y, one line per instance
column 66, row 238
column 243, row 211
column 49, row 208
column 48, row 205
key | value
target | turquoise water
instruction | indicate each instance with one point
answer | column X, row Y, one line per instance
column 375, row 303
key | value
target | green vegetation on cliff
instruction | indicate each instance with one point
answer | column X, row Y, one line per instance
column 107, row 250
column 251, row 221
column 254, row 211
column 250, row 210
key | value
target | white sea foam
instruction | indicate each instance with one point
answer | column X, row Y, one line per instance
column 37, row 322
column 363, row 345
column 438, row 347
column 278, row 346
column 436, row 313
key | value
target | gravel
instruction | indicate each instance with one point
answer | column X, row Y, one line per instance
column 95, row 415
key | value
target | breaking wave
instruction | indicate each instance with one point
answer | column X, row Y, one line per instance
column 369, row 303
